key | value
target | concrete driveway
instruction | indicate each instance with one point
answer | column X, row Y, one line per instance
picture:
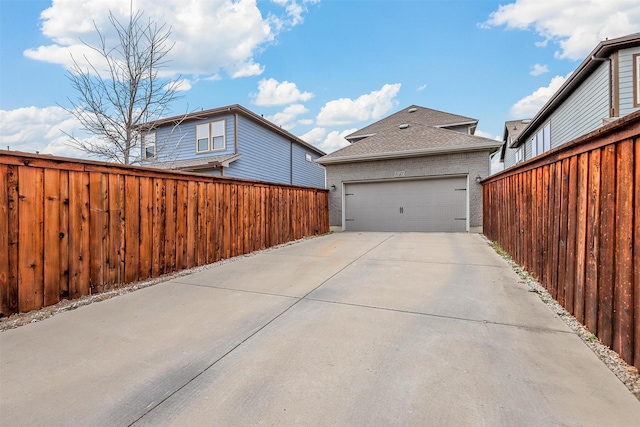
column 349, row 329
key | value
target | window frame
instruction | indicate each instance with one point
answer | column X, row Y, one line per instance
column 145, row 142
column 541, row 141
column 636, row 80
column 211, row 136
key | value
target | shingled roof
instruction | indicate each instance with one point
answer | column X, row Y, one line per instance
column 409, row 139
column 414, row 114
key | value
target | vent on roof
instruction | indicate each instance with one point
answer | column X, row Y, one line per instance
column 404, row 126
column 412, row 110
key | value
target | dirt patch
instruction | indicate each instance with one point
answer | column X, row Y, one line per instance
column 626, row 373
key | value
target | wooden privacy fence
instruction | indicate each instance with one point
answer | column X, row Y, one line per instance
column 71, row 228
column 572, row 219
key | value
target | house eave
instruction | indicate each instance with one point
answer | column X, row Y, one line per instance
column 584, row 70
column 231, row 109
column 492, row 147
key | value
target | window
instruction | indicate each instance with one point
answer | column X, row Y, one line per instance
column 636, row 80
column 541, row 142
column 520, row 154
column 307, row 157
column 149, row 146
column 210, row 137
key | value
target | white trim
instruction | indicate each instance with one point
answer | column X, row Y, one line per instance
column 409, row 153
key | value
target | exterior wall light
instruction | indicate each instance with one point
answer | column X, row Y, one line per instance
column 333, row 188
column 478, row 179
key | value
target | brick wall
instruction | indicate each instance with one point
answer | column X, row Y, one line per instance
column 471, row 163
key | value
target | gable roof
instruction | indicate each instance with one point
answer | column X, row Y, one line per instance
column 513, row 129
column 414, row 114
column 601, row 52
column 413, row 140
column 230, row 109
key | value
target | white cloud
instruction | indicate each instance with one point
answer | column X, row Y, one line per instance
column 315, row 136
column 370, row 106
column 576, row 26
column 272, row 92
column 531, row 104
column 538, row 70
column 487, row 135
column 421, row 88
column 333, row 141
column 209, row 35
column 496, row 165
column 287, row 117
column 32, row 129
column 305, row 122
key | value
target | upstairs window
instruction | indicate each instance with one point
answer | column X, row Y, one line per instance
column 636, row 80
column 149, row 146
column 210, row 137
column 541, row 142
column 520, row 155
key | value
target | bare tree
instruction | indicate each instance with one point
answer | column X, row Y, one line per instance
column 123, row 90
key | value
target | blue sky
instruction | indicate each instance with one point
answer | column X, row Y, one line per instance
column 319, row 68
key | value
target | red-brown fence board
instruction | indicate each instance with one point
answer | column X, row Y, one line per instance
column 571, row 217
column 69, row 228
column 30, row 241
column 52, row 211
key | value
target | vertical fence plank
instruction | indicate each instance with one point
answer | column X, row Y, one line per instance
column 5, row 303
column 607, row 244
column 572, row 212
column 146, row 232
column 98, row 226
column 564, row 232
column 30, row 238
column 52, row 234
column 201, row 238
column 581, row 232
column 636, row 257
column 78, row 234
column 158, row 227
column 210, row 220
column 592, row 244
column 13, row 237
column 64, row 235
column 132, row 229
column 192, row 223
column 550, row 227
column 623, row 285
column 114, row 274
column 170, row 226
column 181, row 221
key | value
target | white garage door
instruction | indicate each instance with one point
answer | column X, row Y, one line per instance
column 438, row 204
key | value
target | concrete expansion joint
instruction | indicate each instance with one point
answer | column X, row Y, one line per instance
column 441, row 316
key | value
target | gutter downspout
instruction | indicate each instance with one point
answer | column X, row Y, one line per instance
column 594, row 58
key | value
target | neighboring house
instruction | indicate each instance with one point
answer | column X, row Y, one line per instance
column 512, row 130
column 234, row 142
column 416, row 170
column 605, row 87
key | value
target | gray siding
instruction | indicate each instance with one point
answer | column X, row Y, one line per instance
column 310, row 174
column 179, row 142
column 625, row 76
column 584, row 110
column 581, row 113
column 510, row 157
column 472, row 164
column 266, row 155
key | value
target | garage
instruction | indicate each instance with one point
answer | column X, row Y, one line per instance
column 416, row 170
column 425, row 205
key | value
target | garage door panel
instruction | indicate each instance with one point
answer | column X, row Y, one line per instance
column 437, row 204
